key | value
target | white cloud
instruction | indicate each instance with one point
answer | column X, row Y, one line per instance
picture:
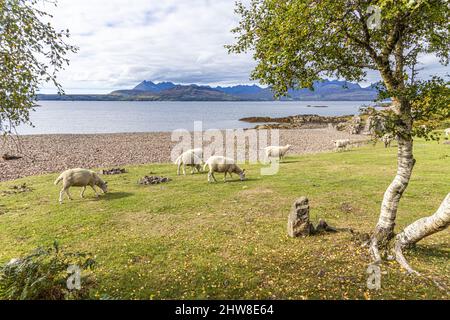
column 124, row 42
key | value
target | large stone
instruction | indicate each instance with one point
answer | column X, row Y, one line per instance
column 298, row 220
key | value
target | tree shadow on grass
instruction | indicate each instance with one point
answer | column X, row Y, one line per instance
column 433, row 251
column 115, row 195
column 289, row 161
column 102, row 197
column 237, row 180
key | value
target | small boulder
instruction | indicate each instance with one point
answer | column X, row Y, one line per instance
column 300, row 226
column 298, row 220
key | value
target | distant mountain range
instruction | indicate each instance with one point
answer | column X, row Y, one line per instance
column 326, row 90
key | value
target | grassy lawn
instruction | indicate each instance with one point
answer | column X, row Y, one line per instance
column 190, row 239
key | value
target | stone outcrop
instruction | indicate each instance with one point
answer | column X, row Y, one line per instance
column 307, row 121
column 299, row 224
column 298, row 220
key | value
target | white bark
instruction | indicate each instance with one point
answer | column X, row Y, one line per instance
column 385, row 227
column 420, row 229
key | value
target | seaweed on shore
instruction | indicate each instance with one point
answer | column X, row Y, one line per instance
column 113, row 171
column 150, row 180
column 16, row 190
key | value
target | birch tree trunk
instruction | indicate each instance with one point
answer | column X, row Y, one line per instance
column 420, row 229
column 384, row 230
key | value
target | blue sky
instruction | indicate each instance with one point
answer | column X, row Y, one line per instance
column 124, row 42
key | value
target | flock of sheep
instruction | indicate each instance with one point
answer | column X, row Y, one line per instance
column 192, row 158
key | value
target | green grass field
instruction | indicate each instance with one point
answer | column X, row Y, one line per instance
column 190, row 239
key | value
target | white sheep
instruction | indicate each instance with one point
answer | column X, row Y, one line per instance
column 191, row 158
column 223, row 165
column 447, row 132
column 276, row 152
column 80, row 178
column 341, row 144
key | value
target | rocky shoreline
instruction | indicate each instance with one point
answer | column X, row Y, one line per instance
column 308, row 121
column 41, row 154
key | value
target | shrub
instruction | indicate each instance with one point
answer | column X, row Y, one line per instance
column 43, row 275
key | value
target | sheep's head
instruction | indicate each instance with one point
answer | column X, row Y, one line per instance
column 242, row 175
column 104, row 186
column 288, row 146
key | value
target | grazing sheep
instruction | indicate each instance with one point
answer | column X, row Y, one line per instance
column 191, row 158
column 341, row 144
column 225, row 165
column 447, row 132
column 387, row 139
column 277, row 152
column 80, row 178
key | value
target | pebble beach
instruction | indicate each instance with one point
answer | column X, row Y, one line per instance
column 43, row 154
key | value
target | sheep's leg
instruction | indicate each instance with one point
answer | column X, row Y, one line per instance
column 179, row 166
column 225, row 177
column 82, row 192
column 95, row 190
column 68, row 194
column 184, row 169
column 212, row 175
column 61, row 195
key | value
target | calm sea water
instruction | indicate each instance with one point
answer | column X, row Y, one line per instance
column 55, row 117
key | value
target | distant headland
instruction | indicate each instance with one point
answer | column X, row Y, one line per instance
column 325, row 90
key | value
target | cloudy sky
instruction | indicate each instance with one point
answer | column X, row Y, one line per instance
column 124, row 42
